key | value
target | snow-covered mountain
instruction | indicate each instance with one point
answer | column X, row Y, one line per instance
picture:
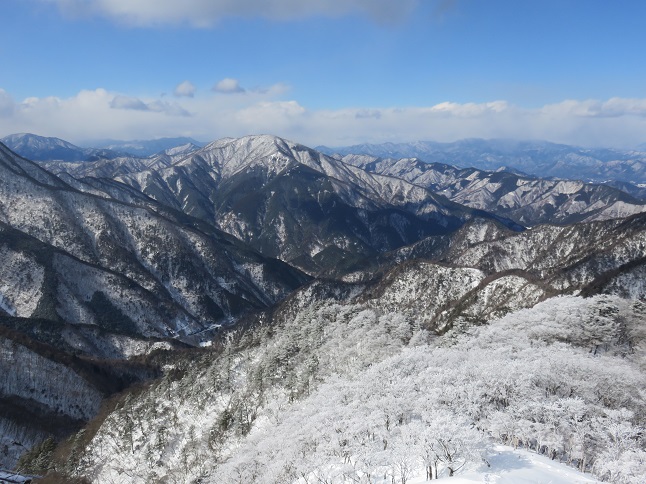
column 227, row 184
column 569, row 258
column 341, row 382
column 537, row 158
column 393, row 349
column 526, row 200
column 293, row 203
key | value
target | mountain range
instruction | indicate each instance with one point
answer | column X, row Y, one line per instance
column 536, row 158
column 185, row 296
column 40, row 148
column 526, row 200
column 93, row 277
column 624, row 169
column 404, row 335
column 145, row 148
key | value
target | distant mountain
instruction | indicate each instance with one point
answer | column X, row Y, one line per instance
column 39, row 148
column 537, row 158
column 636, row 190
column 526, row 200
column 43, row 149
column 145, row 148
column 122, row 165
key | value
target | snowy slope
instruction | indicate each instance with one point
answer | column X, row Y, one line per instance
column 517, row 466
column 341, row 379
column 86, row 276
column 169, row 275
column 423, row 337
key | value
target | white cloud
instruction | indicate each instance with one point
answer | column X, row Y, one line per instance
column 614, row 107
column 99, row 113
column 6, row 103
column 204, row 13
column 368, row 113
column 126, row 102
column 172, row 109
column 185, row 89
column 228, row 86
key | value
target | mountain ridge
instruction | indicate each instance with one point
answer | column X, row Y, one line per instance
column 524, row 199
column 50, row 149
column 536, row 158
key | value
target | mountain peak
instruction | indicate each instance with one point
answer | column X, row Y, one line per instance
column 271, row 153
column 181, row 149
column 257, row 143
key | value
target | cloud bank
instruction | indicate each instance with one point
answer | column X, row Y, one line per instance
column 99, row 113
column 135, row 104
column 205, row 13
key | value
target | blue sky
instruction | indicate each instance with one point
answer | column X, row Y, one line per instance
column 325, row 72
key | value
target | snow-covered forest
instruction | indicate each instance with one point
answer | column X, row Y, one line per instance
column 341, row 393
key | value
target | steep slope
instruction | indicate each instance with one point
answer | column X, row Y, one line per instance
column 165, row 273
column 527, row 201
column 537, row 158
column 48, row 393
column 293, row 203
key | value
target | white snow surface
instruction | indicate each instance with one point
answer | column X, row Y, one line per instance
column 516, row 466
